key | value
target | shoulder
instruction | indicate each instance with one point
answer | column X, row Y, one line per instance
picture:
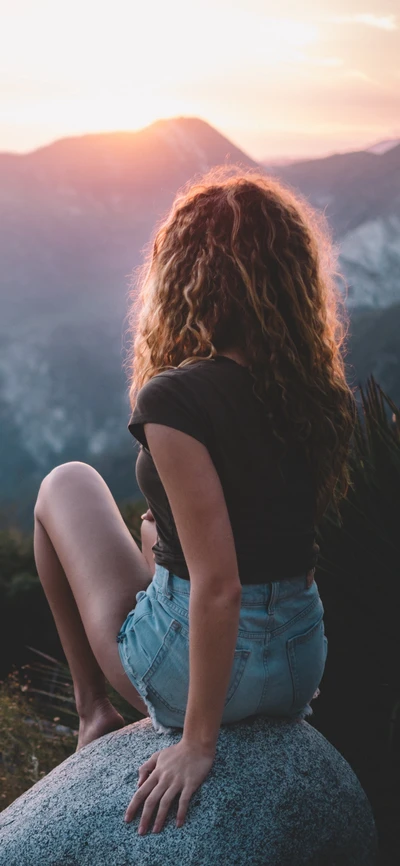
column 166, row 382
column 179, row 380
column 171, row 398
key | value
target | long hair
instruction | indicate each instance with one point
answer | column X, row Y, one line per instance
column 242, row 261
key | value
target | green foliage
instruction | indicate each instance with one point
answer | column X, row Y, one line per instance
column 50, row 684
column 25, row 616
column 358, row 575
column 29, row 748
column 16, row 554
column 38, row 718
column 375, row 466
column 359, row 564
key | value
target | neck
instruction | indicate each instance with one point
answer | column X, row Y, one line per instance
column 235, row 355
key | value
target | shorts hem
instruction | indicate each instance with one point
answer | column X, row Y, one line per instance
column 159, row 728
column 307, row 710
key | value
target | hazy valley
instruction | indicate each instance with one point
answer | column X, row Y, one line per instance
column 75, row 218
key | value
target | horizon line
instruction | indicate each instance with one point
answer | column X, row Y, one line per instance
column 273, row 159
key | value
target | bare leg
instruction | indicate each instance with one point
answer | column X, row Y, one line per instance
column 91, row 569
column 96, row 713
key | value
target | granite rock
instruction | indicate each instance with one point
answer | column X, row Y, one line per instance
column 278, row 794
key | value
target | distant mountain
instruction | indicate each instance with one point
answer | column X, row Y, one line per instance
column 375, row 348
column 282, row 160
column 74, row 219
column 359, row 193
column 379, row 147
column 383, row 146
column 75, row 215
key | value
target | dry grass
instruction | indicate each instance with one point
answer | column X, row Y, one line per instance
column 39, row 723
column 29, row 746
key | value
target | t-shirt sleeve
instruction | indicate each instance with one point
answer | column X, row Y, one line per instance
column 166, row 399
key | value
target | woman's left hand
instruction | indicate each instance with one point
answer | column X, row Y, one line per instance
column 178, row 769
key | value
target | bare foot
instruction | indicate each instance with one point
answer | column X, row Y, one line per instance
column 103, row 719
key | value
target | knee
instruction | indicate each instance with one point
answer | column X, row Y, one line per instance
column 59, row 475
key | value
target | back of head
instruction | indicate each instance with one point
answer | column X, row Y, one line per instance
column 242, row 261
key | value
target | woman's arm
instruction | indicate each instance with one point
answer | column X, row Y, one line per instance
column 214, row 620
column 198, row 505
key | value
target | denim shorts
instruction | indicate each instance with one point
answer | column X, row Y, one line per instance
column 278, row 663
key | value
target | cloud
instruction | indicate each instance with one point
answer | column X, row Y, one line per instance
column 382, row 22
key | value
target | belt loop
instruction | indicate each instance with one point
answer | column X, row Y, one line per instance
column 162, row 579
column 167, row 584
column 273, row 597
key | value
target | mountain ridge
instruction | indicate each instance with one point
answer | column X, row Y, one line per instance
column 77, row 217
column 159, row 129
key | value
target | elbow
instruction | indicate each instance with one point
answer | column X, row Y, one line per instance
column 234, row 593
column 226, row 592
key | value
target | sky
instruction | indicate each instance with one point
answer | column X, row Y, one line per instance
column 281, row 80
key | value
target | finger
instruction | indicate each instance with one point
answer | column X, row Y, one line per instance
column 164, row 806
column 142, row 779
column 147, row 768
column 140, row 796
column 183, row 806
column 143, row 776
column 150, row 804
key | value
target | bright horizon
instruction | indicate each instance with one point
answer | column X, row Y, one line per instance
column 307, row 82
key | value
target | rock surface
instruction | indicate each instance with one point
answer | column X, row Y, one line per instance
column 278, row 794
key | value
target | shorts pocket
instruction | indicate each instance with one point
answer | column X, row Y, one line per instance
column 239, row 664
column 167, row 678
column 306, row 655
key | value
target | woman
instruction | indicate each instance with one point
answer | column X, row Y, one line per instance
column 241, row 407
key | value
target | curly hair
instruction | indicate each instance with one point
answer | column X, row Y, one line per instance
column 242, row 261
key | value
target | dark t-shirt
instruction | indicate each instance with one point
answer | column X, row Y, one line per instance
column 270, row 503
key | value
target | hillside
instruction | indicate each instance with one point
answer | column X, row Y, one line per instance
column 359, row 193
column 75, row 217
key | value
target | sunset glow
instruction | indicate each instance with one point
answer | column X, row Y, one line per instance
column 309, row 80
